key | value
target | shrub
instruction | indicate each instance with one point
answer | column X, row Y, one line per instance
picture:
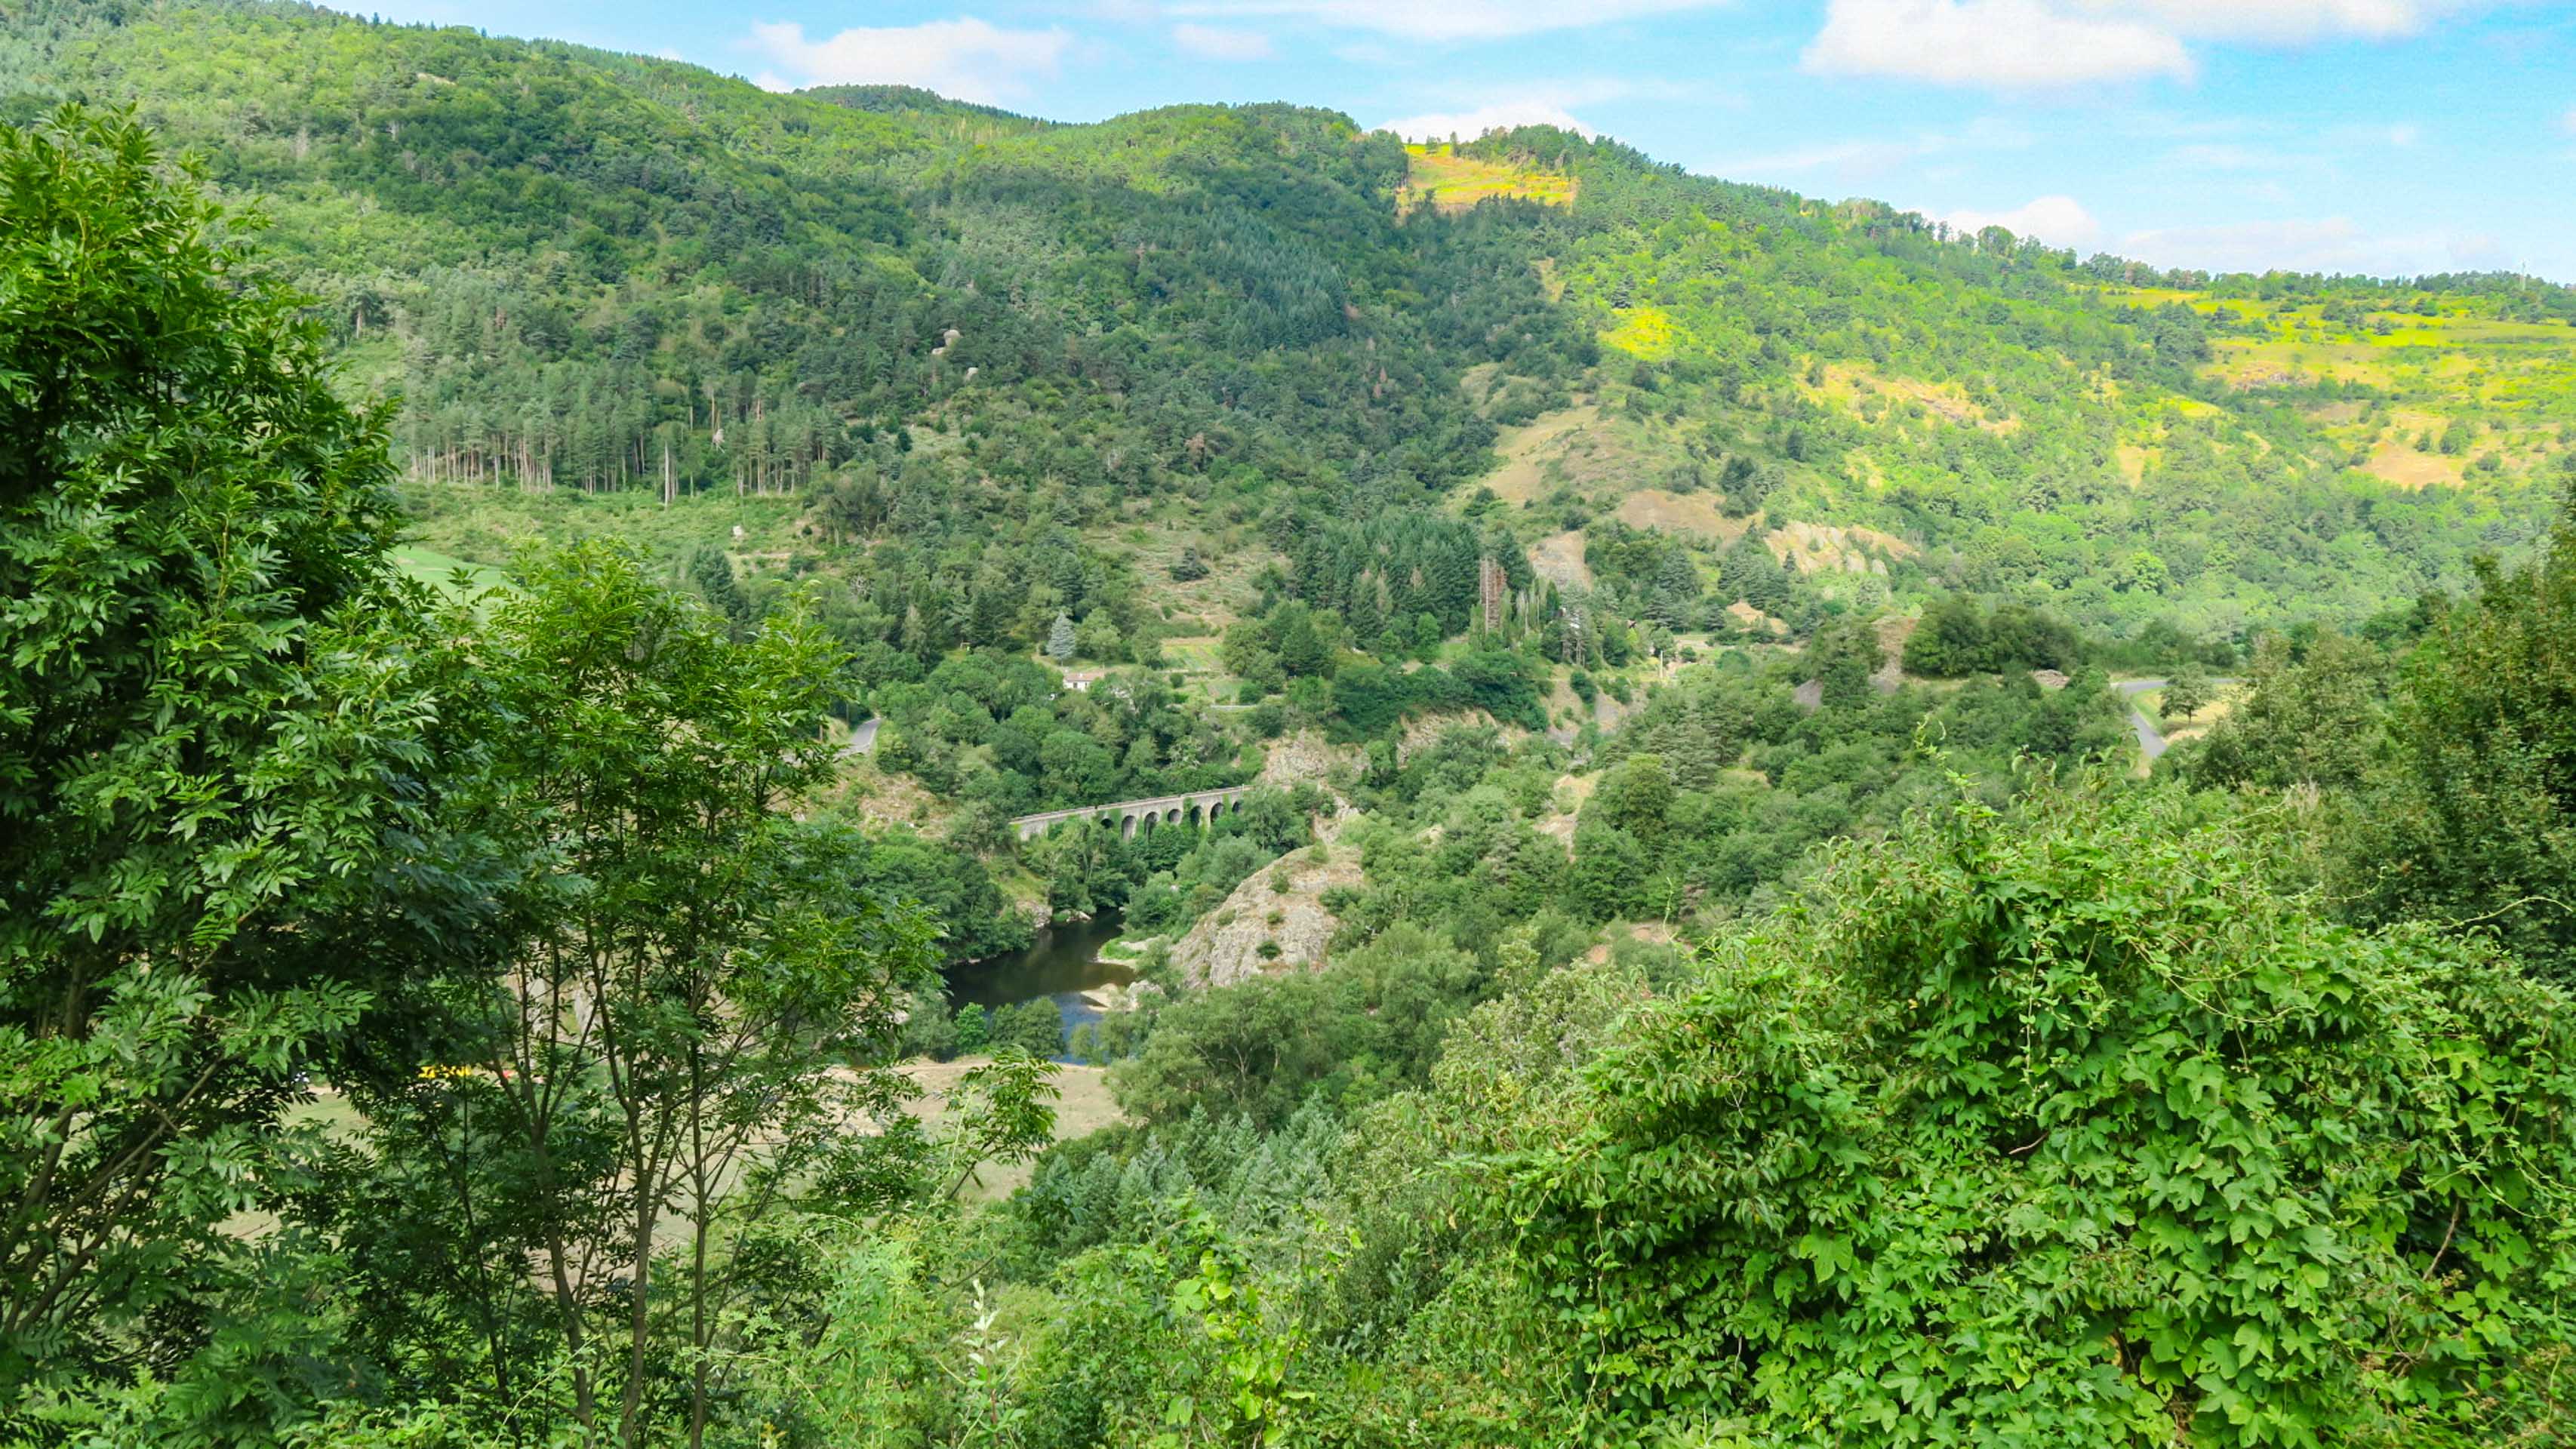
column 2066, row 1118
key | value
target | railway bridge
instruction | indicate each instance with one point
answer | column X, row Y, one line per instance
column 1129, row 816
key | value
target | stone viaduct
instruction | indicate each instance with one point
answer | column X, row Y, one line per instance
column 1129, row 815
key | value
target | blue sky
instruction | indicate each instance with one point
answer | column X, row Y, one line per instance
column 2385, row 136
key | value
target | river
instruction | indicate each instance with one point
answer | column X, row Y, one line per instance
column 1061, row 964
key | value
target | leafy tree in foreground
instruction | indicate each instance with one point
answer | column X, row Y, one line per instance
column 2474, row 820
column 2064, row 1126
column 713, row 573
column 685, row 952
column 205, row 743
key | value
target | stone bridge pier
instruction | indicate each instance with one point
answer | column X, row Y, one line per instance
column 1129, row 816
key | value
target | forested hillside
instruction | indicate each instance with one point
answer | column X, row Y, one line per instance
column 1003, row 344
column 536, row 585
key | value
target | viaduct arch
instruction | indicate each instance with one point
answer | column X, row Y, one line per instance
column 1131, row 815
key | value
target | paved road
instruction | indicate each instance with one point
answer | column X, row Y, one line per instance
column 2151, row 741
column 863, row 737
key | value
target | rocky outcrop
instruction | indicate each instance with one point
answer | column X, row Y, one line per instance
column 1893, row 632
column 1821, row 548
column 1302, row 758
column 1226, row 946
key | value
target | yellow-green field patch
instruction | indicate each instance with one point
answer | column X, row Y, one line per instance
column 1440, row 178
column 1856, row 388
column 1645, row 332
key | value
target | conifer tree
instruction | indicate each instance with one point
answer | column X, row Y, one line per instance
column 713, row 574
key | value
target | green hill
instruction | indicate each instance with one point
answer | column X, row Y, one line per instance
column 1001, row 369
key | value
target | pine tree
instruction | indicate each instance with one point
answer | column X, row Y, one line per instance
column 1059, row 645
column 713, row 574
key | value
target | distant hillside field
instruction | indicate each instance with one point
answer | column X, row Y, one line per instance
column 1439, row 177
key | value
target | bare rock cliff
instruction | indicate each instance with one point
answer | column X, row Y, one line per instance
column 1226, row 945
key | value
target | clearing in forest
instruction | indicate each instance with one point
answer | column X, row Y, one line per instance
column 1528, row 449
column 2397, row 461
column 1695, row 514
column 1440, row 178
column 1863, row 392
column 438, row 570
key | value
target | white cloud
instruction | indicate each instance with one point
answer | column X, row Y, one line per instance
column 1467, row 125
column 1445, row 19
column 1862, row 160
column 965, row 59
column 2291, row 20
column 1470, row 111
column 1210, row 42
column 2322, row 245
column 2316, row 244
column 2032, row 44
column 2012, row 44
column 2478, row 251
column 2394, row 137
column 2060, row 221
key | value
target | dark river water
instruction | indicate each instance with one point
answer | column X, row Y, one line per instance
column 1059, row 964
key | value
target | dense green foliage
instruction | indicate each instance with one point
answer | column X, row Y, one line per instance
column 972, row 345
column 1957, row 637
column 1203, row 392
column 2440, row 750
column 667, row 954
column 481, row 1016
column 2058, row 1122
column 2067, row 1127
column 2478, row 825
column 528, row 898
column 210, row 739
